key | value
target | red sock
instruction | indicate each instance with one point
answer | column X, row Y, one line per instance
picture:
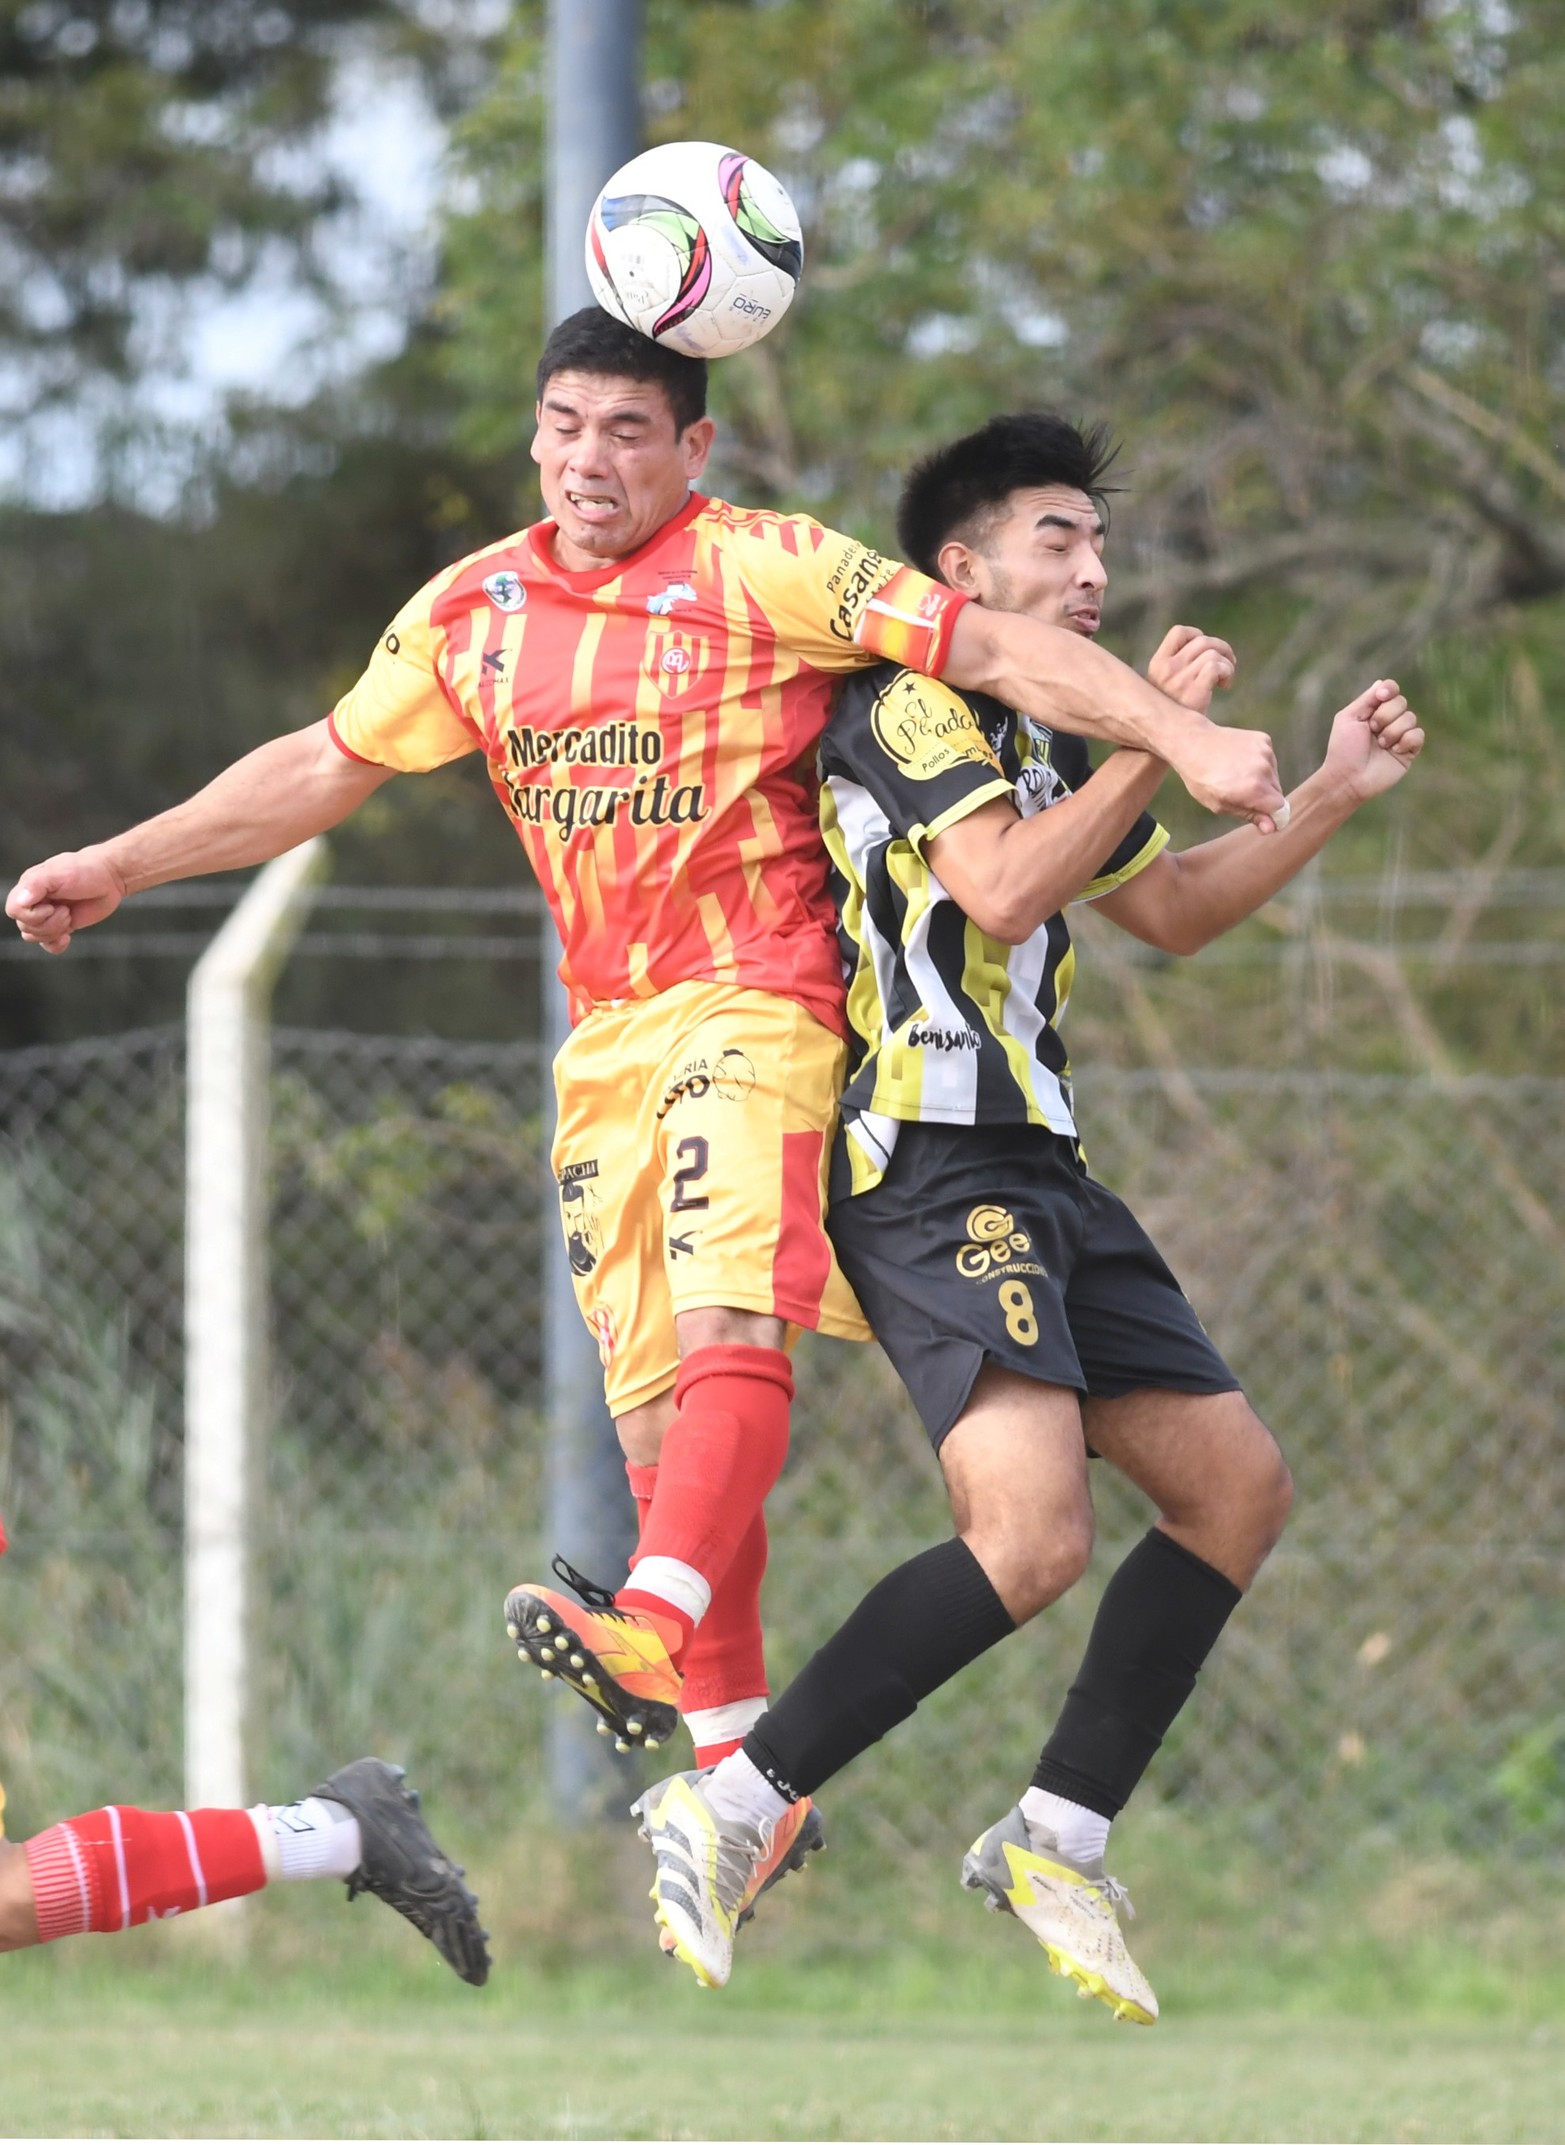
column 116, row 1867
column 723, row 1451
column 643, row 1481
column 725, row 1662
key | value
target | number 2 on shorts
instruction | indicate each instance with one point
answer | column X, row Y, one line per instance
column 694, row 1154
column 1016, row 1303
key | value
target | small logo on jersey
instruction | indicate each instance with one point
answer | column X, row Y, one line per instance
column 505, row 591
column 1038, row 783
column 681, row 1247
column 602, row 1324
column 494, row 663
column 678, row 592
column 922, row 1037
column 995, row 1243
column 676, row 659
column 580, row 1217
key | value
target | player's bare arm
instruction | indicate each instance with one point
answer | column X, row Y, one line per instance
column 1011, row 874
column 266, row 803
column 1181, row 902
column 1058, row 677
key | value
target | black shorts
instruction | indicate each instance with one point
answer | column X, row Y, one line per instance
column 990, row 1243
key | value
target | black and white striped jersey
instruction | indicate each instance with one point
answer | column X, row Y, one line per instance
column 948, row 1026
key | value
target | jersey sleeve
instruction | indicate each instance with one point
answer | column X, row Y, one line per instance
column 919, row 750
column 840, row 605
column 399, row 714
column 1146, row 839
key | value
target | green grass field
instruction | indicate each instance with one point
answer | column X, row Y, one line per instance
column 532, row 2062
column 1424, row 2008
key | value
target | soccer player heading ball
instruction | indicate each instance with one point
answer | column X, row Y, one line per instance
column 1028, row 1313
column 646, row 673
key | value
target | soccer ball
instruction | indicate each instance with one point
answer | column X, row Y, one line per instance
column 697, row 246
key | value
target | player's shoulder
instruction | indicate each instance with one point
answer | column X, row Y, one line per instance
column 747, row 528
column 916, row 718
column 895, row 685
column 497, row 572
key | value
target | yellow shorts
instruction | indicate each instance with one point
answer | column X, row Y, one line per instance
column 694, row 1133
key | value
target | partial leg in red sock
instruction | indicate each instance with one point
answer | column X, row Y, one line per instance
column 724, row 1664
column 721, row 1455
column 114, row 1868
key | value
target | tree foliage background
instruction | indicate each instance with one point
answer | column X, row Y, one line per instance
column 1306, row 259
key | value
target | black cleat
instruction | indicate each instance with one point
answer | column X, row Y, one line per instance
column 403, row 1864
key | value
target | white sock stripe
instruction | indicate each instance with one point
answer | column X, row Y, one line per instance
column 720, row 1724
column 79, row 1871
column 62, row 1891
column 675, row 1582
column 196, row 1870
column 119, row 1863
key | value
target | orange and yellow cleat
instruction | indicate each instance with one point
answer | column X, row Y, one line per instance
column 620, row 1660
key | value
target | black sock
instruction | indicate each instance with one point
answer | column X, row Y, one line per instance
column 911, row 1633
column 1159, row 1618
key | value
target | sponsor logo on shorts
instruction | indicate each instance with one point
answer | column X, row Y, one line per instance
column 923, row 1037
column 730, row 1076
column 995, row 1246
column 602, row 1324
column 581, row 1219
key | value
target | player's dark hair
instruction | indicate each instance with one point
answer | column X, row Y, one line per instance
column 960, row 489
column 593, row 341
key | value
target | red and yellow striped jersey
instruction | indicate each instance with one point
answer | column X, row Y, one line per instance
column 650, row 730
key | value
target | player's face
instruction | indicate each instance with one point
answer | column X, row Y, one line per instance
column 1043, row 556
column 611, row 466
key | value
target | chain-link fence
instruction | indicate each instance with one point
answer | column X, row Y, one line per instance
column 1379, row 1257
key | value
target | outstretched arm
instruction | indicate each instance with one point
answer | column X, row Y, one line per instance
column 270, row 801
column 1181, row 902
column 1061, row 679
column 1010, row 874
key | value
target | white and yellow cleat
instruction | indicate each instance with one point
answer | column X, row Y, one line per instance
column 711, row 1868
column 1070, row 1907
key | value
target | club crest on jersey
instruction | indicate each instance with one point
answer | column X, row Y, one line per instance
column 662, row 605
column 506, row 591
column 674, row 659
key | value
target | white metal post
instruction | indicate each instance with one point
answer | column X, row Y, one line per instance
column 225, row 1308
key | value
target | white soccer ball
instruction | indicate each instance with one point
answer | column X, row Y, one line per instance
column 697, row 246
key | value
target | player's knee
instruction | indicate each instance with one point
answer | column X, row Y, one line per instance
column 18, row 1918
column 1277, row 1497
column 1263, row 1487
column 1033, row 1558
